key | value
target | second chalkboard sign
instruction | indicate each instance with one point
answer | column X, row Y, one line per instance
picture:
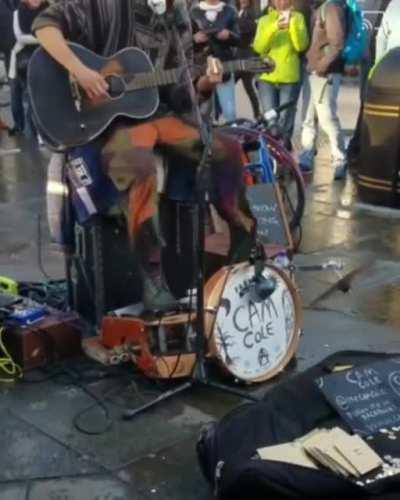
column 266, row 205
column 366, row 397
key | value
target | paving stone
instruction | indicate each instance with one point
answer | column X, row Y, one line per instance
column 13, row 491
column 170, row 474
column 93, row 488
column 27, row 453
column 326, row 332
column 125, row 441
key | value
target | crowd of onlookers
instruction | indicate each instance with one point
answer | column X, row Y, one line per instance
column 17, row 45
column 305, row 39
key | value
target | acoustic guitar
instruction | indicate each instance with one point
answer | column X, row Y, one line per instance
column 66, row 117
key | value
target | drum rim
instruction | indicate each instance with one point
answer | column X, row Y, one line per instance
column 214, row 289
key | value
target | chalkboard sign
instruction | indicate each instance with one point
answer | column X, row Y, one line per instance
column 366, row 397
column 266, row 206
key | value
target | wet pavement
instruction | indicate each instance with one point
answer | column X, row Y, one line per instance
column 44, row 457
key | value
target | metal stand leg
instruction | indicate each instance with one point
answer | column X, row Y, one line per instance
column 131, row 413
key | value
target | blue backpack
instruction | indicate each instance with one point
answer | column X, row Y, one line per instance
column 357, row 36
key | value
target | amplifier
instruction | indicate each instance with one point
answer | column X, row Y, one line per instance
column 55, row 337
column 102, row 274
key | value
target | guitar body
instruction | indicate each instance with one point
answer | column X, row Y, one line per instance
column 63, row 122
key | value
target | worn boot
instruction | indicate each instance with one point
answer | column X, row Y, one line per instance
column 157, row 297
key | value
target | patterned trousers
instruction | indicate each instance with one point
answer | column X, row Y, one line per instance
column 129, row 159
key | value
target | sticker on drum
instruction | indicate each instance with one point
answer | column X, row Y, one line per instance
column 253, row 340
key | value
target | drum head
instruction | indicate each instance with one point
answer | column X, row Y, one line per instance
column 252, row 339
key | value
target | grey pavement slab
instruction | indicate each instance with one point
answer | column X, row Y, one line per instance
column 13, row 491
column 126, row 441
column 326, row 332
column 171, row 474
column 89, row 488
column 27, row 453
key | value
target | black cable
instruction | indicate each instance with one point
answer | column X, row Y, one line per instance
column 39, row 247
column 98, row 403
column 52, row 293
column 79, row 379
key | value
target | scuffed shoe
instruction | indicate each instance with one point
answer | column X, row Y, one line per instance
column 340, row 172
column 158, row 299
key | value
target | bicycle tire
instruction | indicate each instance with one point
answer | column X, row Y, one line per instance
column 286, row 165
column 288, row 168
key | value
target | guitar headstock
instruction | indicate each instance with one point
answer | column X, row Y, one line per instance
column 258, row 65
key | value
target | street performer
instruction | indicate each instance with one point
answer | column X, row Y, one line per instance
column 107, row 26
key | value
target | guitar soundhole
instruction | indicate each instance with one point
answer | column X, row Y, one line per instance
column 116, row 86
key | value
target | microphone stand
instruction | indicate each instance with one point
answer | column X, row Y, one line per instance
column 199, row 376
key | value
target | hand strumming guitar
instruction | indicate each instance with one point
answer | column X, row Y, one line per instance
column 91, row 81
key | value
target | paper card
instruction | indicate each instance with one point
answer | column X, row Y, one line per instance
column 356, row 450
column 291, row 453
column 323, row 442
column 329, row 459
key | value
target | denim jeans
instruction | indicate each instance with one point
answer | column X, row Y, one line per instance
column 17, row 103
column 274, row 95
column 21, row 108
column 226, row 98
column 322, row 109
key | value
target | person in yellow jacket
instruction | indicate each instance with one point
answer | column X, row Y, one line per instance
column 281, row 35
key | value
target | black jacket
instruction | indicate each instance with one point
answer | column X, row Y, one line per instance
column 227, row 19
column 7, row 39
column 248, row 27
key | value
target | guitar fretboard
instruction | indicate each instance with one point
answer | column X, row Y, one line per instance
column 154, row 79
column 159, row 78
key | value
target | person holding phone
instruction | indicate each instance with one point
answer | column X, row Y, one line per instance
column 282, row 36
column 216, row 33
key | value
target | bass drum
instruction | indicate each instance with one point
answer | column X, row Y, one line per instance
column 252, row 340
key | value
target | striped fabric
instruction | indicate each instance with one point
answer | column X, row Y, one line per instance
column 106, row 26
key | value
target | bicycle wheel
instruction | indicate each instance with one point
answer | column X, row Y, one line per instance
column 286, row 172
column 290, row 181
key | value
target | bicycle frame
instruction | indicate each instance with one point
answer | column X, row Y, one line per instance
column 264, row 170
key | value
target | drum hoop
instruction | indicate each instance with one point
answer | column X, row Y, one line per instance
column 212, row 311
column 219, row 280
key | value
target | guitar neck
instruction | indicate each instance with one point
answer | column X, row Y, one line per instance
column 156, row 78
column 159, row 78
